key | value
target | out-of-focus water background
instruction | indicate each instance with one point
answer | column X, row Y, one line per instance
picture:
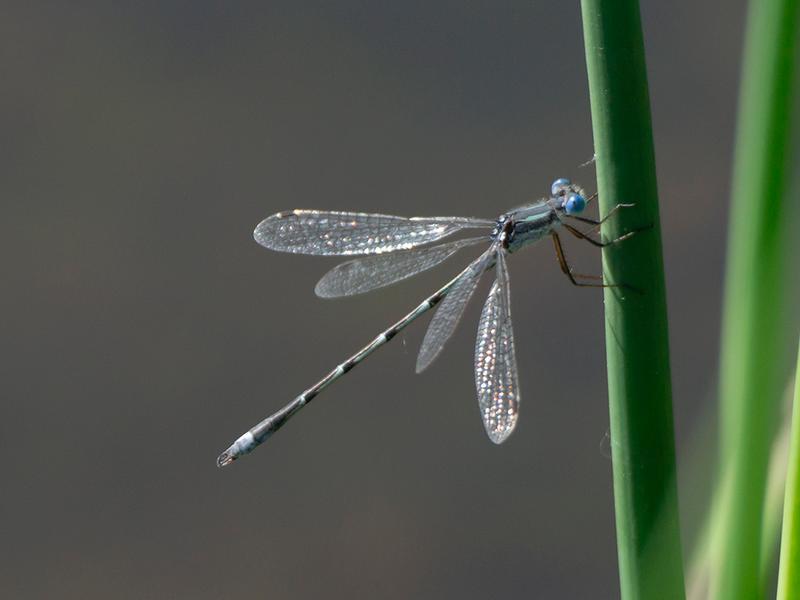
column 143, row 329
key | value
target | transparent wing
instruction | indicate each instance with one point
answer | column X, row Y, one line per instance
column 452, row 307
column 496, row 378
column 364, row 274
column 350, row 233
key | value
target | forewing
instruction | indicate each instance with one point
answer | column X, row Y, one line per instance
column 350, row 233
column 364, row 274
column 450, row 310
column 496, row 378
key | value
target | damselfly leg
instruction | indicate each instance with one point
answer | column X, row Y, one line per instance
column 595, row 224
column 567, row 270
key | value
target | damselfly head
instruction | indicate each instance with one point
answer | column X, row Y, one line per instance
column 560, row 187
column 568, row 196
column 574, row 204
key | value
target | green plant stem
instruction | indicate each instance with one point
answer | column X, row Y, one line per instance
column 699, row 571
column 789, row 574
column 774, row 494
column 753, row 331
column 637, row 348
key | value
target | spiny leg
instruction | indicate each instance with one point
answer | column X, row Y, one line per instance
column 599, row 243
column 562, row 261
column 596, row 224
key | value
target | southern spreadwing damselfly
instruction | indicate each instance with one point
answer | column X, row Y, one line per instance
column 395, row 248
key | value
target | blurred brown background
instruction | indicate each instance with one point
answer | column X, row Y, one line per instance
column 144, row 330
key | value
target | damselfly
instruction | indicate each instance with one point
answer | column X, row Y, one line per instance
column 395, row 248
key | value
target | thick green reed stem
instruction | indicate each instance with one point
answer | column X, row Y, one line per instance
column 637, row 345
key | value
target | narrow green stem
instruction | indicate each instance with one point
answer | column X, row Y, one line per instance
column 774, row 495
column 698, row 578
column 789, row 574
column 637, row 347
column 753, row 334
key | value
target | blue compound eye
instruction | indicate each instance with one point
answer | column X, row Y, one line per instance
column 574, row 204
column 558, row 186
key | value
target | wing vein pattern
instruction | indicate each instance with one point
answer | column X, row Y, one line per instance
column 364, row 274
column 449, row 313
column 329, row 233
column 496, row 378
